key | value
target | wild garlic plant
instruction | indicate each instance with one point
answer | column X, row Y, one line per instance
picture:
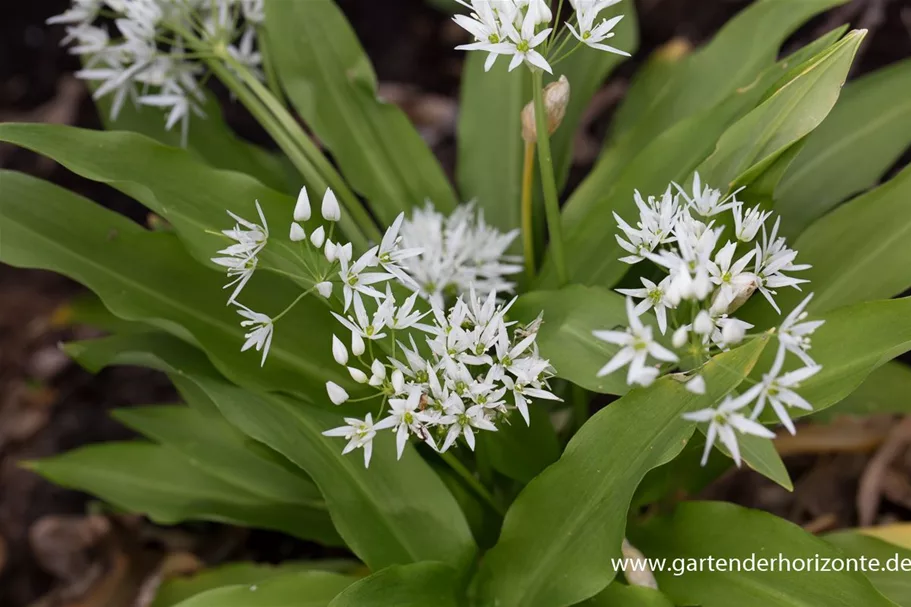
column 141, row 51
column 469, row 368
column 400, row 328
column 705, row 283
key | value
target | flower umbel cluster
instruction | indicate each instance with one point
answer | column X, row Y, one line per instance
column 138, row 50
column 705, row 283
column 523, row 30
column 439, row 371
column 459, row 252
column 473, row 369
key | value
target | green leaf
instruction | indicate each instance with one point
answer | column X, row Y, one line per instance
column 222, row 451
column 562, row 532
column 565, row 337
column 859, row 252
column 210, row 139
column 894, row 584
column 886, row 390
column 87, row 309
column 753, row 143
column 395, row 512
column 745, row 46
column 699, row 530
column 148, row 277
column 173, row 591
column 169, row 488
column 301, row 589
column 620, row 595
column 331, row 84
column 491, row 149
column 849, row 152
column 149, row 349
column 417, row 585
column 189, row 194
column 683, row 477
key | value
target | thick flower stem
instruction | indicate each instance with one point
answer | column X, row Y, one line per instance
column 528, row 236
column 548, row 182
column 466, row 475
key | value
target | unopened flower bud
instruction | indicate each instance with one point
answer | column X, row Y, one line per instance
column 733, row 332
column 379, row 369
column 357, row 375
column 357, row 344
column 556, row 99
column 337, row 394
column 297, row 232
column 680, row 336
column 318, row 237
column 331, row 251
column 302, row 208
column 324, row 289
column 703, row 324
column 339, row 352
column 540, row 10
column 398, row 381
column 331, row 210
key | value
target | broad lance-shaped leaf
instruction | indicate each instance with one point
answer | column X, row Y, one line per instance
column 562, row 532
column 853, row 342
column 417, row 585
column 800, row 105
column 149, row 277
column 209, row 138
column 171, row 182
column 861, row 251
column 219, row 449
column 331, row 83
column 866, row 132
column 170, row 488
column 156, row 350
column 894, row 563
column 886, row 390
column 300, row 589
column 699, row 530
column 589, row 228
column 174, row 591
column 395, row 512
column 734, row 58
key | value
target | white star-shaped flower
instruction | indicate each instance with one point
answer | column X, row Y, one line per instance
column 359, row 434
column 723, row 421
column 636, row 346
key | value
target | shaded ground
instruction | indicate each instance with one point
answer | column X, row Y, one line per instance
column 47, row 405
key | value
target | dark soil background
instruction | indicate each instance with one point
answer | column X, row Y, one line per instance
column 57, row 550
